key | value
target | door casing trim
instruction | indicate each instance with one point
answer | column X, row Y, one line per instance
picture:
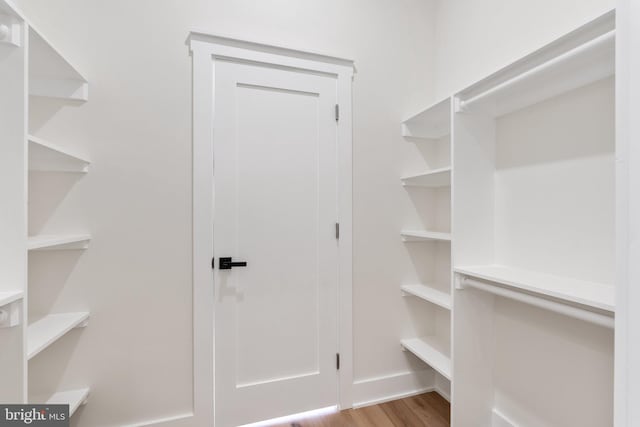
column 205, row 51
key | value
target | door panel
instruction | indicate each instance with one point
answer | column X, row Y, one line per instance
column 275, row 128
column 275, row 208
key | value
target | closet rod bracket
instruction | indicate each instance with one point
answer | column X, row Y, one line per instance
column 9, row 31
column 10, row 315
column 459, row 106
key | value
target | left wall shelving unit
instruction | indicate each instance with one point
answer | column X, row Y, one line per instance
column 30, row 68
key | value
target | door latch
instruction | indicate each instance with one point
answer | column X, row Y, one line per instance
column 226, row 263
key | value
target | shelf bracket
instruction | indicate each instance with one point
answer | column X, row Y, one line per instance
column 10, row 315
column 9, row 31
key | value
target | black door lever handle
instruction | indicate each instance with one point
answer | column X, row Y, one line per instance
column 227, row 264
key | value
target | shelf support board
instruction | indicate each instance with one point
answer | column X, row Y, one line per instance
column 50, row 243
column 607, row 39
column 74, row 90
column 47, row 157
column 50, row 329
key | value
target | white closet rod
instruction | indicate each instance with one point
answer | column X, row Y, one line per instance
column 605, row 38
column 567, row 310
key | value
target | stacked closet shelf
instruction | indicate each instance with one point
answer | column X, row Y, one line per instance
column 534, row 255
column 431, row 189
column 32, row 69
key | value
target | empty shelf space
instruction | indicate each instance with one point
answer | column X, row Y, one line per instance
column 424, row 236
column 7, row 297
column 433, row 122
column 432, row 351
column 50, row 74
column 45, row 61
column 435, row 178
column 73, row 398
column 44, row 156
column 44, row 332
column 55, row 242
column 429, row 294
column 585, row 64
column 590, row 294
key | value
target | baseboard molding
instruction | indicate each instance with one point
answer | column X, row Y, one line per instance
column 365, row 392
column 172, row 421
column 444, row 394
column 499, row 420
column 443, row 387
column 391, row 387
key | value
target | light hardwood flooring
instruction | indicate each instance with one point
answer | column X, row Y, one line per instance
column 425, row 410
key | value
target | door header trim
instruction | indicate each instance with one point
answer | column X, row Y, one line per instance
column 232, row 48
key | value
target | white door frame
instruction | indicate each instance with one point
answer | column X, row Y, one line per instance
column 206, row 50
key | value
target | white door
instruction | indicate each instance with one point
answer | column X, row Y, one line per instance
column 275, row 174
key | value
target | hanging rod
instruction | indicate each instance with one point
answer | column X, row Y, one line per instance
column 592, row 44
column 557, row 307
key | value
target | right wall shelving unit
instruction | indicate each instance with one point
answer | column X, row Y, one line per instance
column 533, row 246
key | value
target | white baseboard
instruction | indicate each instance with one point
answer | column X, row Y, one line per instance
column 443, row 387
column 365, row 392
column 443, row 393
column 171, row 421
column 499, row 420
column 391, row 387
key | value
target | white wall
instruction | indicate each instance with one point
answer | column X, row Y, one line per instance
column 474, row 38
column 136, row 277
column 555, row 182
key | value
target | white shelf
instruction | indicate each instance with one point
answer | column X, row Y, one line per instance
column 423, row 236
column 432, row 351
column 44, row 332
column 73, row 398
column 433, row 122
column 7, row 297
column 587, row 63
column 590, row 294
column 44, row 156
column 429, row 294
column 55, row 242
column 435, row 178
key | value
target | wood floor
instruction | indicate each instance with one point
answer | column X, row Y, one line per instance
column 425, row 410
